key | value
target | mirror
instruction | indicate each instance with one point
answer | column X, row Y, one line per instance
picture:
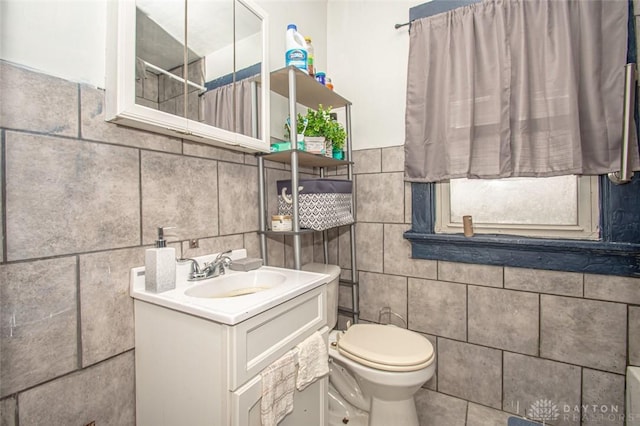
column 198, row 68
column 160, row 55
column 248, row 50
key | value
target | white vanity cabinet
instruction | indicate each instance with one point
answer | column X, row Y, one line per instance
column 194, row 371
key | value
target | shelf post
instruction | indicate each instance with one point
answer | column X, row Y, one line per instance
column 262, row 222
column 352, row 229
column 293, row 137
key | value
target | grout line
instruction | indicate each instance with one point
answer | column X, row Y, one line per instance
column 539, row 354
column 437, row 363
column 16, row 410
column 79, row 314
column 3, row 193
column 539, row 324
column 502, row 381
column 628, row 337
column 581, row 385
column 140, row 196
column 218, row 196
column 79, row 111
column 466, row 328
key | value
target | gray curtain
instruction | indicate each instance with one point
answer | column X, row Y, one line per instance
column 517, row 88
column 229, row 107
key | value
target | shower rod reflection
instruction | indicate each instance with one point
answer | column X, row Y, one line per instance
column 173, row 76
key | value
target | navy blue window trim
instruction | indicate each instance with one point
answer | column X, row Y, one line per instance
column 617, row 252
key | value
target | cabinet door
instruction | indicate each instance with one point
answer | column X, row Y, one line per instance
column 309, row 406
column 167, row 58
column 245, row 404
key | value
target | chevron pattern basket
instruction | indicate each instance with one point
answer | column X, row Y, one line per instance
column 323, row 203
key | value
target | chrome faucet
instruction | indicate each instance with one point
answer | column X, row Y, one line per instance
column 210, row 270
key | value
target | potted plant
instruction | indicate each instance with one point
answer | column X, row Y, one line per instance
column 337, row 135
column 315, row 133
column 322, row 124
column 323, row 134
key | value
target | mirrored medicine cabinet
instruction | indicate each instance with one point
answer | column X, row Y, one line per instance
column 194, row 69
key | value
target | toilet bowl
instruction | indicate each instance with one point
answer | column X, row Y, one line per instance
column 375, row 369
column 389, row 365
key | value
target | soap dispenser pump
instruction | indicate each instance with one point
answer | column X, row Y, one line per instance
column 160, row 265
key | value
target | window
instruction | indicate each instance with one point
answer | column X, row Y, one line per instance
column 613, row 247
column 617, row 252
column 552, row 207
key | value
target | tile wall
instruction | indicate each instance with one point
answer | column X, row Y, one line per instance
column 505, row 337
column 81, row 199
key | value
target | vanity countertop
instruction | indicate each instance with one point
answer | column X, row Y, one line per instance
column 228, row 310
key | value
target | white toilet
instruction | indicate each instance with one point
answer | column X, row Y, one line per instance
column 375, row 369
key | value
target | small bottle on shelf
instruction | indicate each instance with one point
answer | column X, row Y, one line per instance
column 328, row 83
column 310, row 57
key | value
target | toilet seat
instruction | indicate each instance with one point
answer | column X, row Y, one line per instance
column 386, row 347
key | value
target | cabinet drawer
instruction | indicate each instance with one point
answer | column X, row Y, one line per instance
column 287, row 325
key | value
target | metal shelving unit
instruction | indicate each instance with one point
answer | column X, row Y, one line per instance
column 300, row 89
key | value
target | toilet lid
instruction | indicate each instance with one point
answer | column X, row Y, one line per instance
column 386, row 347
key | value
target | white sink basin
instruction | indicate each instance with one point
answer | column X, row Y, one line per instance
column 237, row 285
column 230, row 298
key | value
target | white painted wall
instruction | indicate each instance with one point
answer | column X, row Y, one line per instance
column 63, row 38
column 354, row 41
column 311, row 18
column 368, row 65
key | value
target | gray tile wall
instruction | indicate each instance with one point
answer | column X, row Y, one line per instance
column 81, row 200
column 508, row 340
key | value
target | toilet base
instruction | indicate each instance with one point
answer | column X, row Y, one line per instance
column 385, row 413
column 381, row 413
column 342, row 413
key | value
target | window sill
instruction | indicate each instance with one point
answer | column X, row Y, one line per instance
column 617, row 253
column 594, row 257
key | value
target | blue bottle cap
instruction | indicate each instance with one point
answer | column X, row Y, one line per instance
column 320, row 73
column 292, row 27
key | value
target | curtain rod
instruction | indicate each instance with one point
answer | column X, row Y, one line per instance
column 396, row 26
column 173, row 76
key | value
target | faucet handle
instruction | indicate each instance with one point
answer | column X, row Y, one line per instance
column 223, row 263
column 195, row 271
column 224, row 253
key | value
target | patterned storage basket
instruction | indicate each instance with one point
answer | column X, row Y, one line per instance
column 323, row 203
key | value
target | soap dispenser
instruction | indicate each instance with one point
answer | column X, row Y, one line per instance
column 160, row 266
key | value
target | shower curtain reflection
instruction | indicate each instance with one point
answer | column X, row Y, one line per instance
column 229, row 107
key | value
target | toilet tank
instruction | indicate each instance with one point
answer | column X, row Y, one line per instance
column 332, row 288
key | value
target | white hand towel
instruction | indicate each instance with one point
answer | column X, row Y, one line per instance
column 278, row 385
column 313, row 360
